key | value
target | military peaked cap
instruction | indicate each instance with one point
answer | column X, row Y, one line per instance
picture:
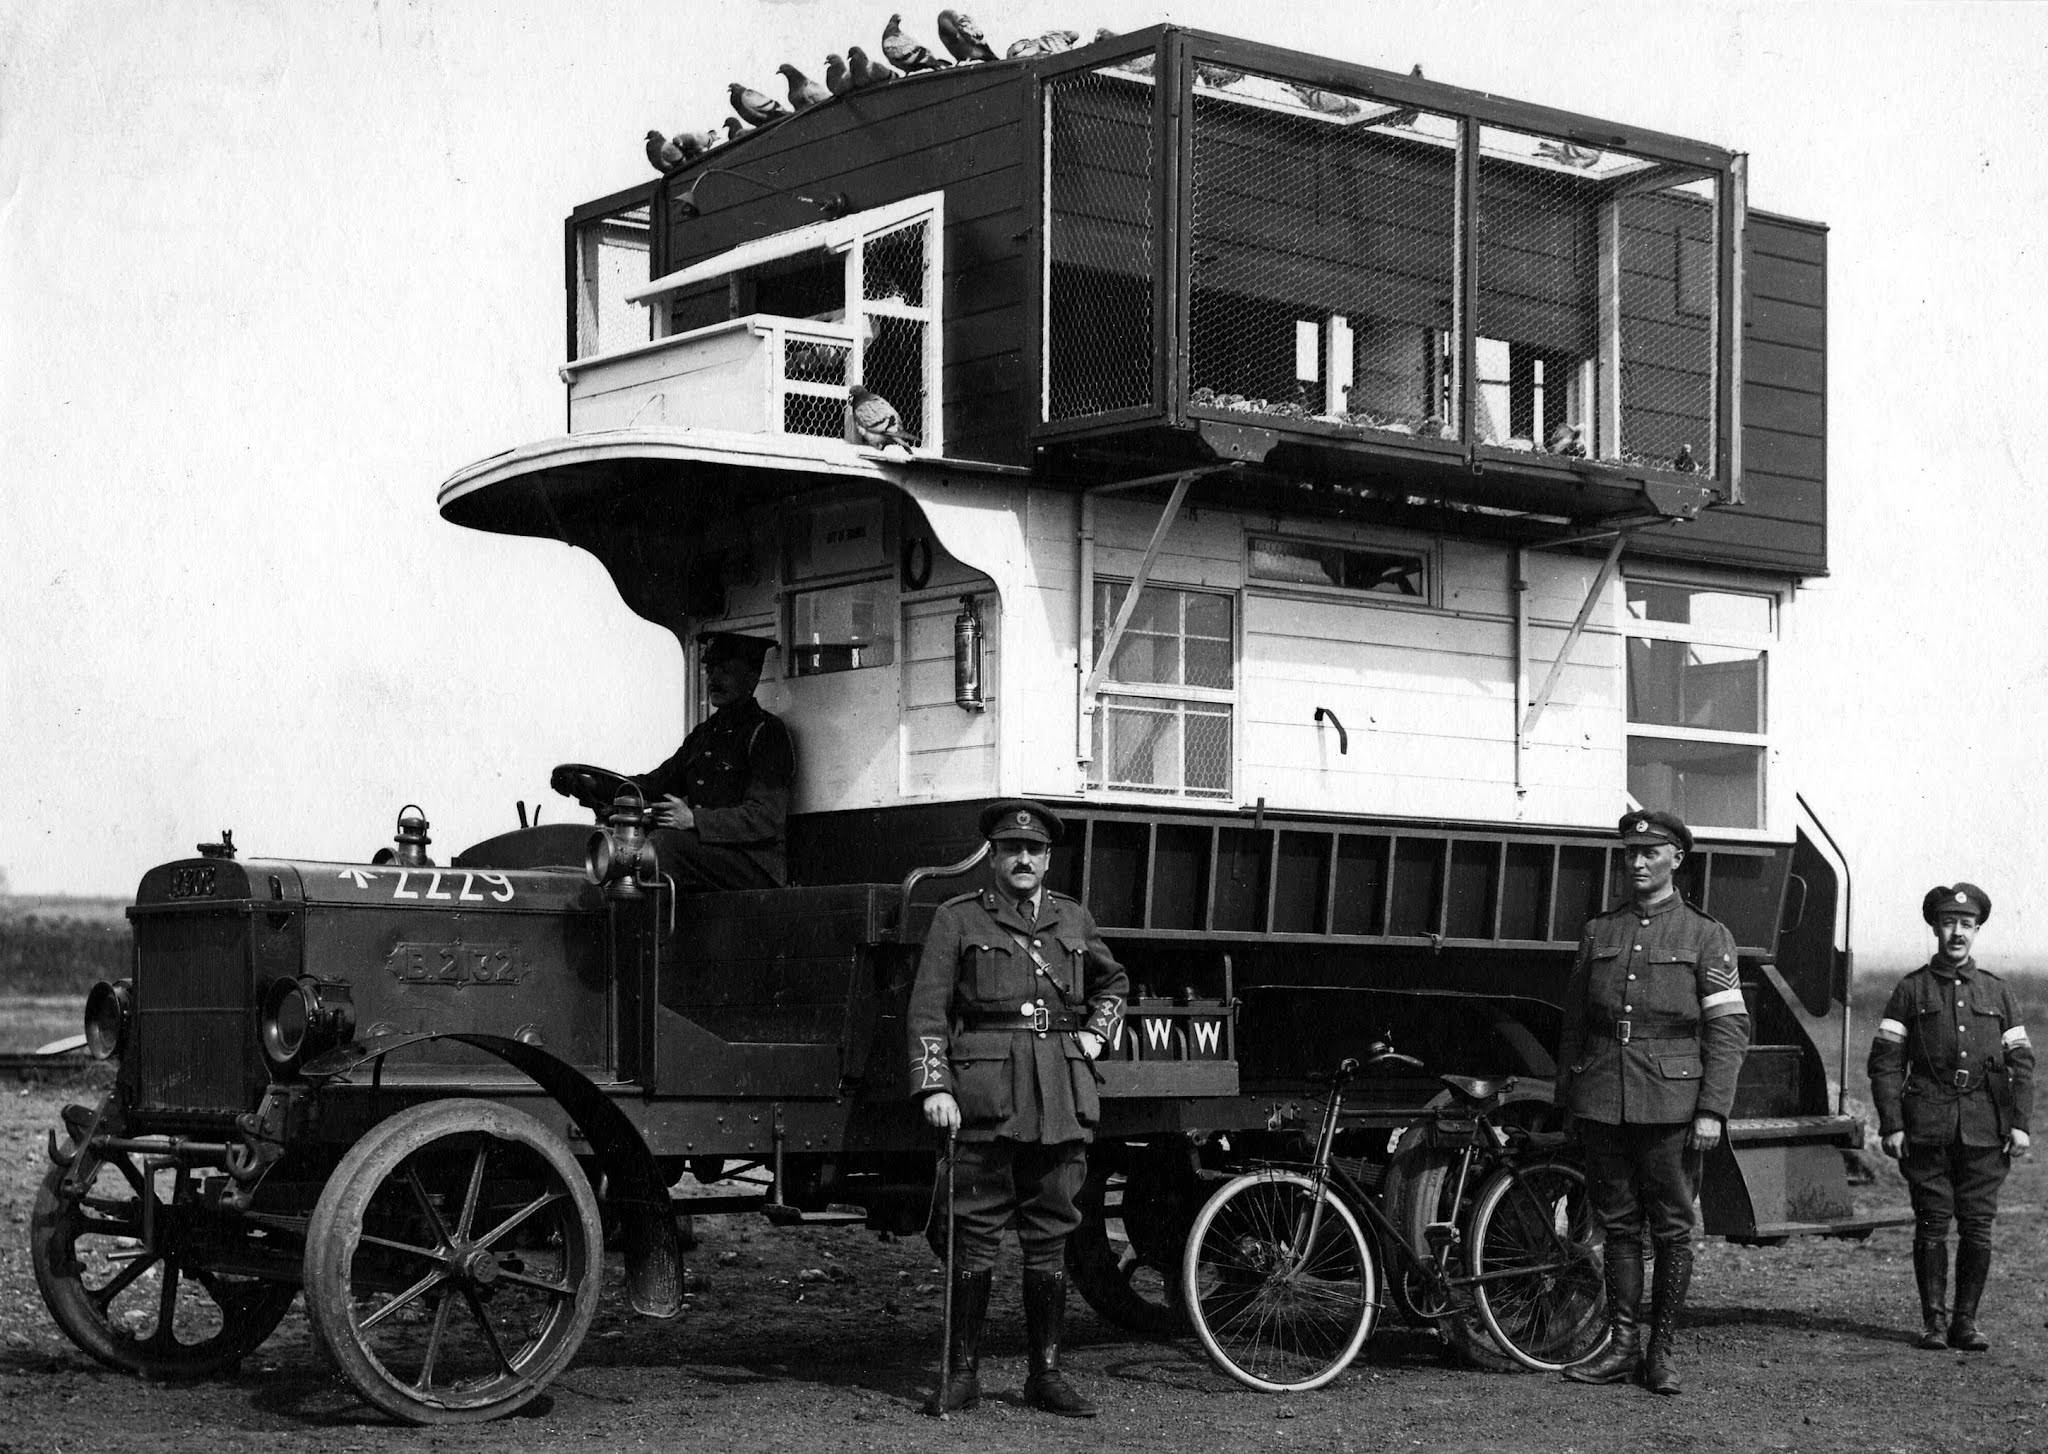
column 1958, row 898
column 1655, row 828
column 733, row 646
column 1020, row 818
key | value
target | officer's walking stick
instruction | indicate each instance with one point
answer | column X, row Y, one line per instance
column 946, row 1300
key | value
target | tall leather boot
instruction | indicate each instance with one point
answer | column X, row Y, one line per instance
column 1045, row 1316
column 1616, row 1363
column 1667, row 1300
column 1973, row 1265
column 962, row 1389
column 1930, row 1275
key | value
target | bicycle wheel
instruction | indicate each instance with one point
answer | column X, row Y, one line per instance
column 1536, row 1268
column 1279, row 1282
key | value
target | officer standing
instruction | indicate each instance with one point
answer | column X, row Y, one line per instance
column 1016, row 995
column 1654, row 1034
column 1952, row 1072
column 719, row 806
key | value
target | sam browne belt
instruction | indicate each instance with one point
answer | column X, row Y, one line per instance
column 1033, row 1016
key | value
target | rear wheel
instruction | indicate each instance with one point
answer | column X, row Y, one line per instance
column 127, row 1266
column 1125, row 1257
column 1539, row 1282
column 1421, row 1190
column 1279, row 1282
column 452, row 1262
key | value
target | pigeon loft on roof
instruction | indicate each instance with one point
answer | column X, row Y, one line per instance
column 1164, row 249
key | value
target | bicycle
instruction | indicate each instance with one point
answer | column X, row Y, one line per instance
column 1281, row 1277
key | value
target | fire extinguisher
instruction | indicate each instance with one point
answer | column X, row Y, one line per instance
column 967, row 657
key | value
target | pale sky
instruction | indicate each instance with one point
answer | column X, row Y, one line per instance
column 268, row 274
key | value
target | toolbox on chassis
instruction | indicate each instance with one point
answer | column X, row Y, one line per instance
column 1338, row 493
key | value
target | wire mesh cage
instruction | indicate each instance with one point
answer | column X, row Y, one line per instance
column 1157, row 745
column 1324, row 275
column 814, row 378
column 1598, row 303
column 1101, row 240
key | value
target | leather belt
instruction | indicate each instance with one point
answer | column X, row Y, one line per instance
column 1036, row 1018
column 1627, row 1030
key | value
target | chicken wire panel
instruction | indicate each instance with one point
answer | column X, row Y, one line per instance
column 893, row 266
column 1324, row 275
column 1597, row 295
column 1159, row 745
column 611, row 260
column 892, row 364
column 1669, row 300
column 822, row 416
column 1101, row 239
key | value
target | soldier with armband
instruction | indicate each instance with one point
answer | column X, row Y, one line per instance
column 1016, row 996
column 1655, row 1029
column 1952, row 1072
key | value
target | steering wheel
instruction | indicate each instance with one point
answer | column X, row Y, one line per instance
column 593, row 787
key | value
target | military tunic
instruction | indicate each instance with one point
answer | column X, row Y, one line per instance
column 1654, row 1033
column 735, row 770
column 1952, row 1067
column 993, row 1019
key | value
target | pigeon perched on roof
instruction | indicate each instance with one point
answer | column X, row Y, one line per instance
column 907, row 53
column 838, row 80
column 735, row 128
column 960, row 35
column 1136, row 65
column 1568, row 154
column 1406, row 117
column 875, row 419
column 1049, row 44
column 662, row 154
column 865, row 73
column 1328, row 102
column 754, row 108
column 804, row 93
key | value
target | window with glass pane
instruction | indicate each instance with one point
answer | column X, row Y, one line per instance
column 1164, row 721
column 1175, row 638
column 1348, row 567
column 1688, row 684
column 1728, row 612
column 842, row 628
column 1698, row 701
column 1709, row 784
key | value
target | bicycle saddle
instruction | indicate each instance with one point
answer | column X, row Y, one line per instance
column 1477, row 1088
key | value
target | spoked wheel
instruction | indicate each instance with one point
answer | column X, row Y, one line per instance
column 127, row 1270
column 1279, row 1282
column 1125, row 1257
column 452, row 1262
column 1539, row 1282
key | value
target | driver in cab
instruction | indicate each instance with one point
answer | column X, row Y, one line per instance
column 719, row 808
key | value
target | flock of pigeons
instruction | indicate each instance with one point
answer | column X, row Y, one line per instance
column 963, row 40
column 902, row 54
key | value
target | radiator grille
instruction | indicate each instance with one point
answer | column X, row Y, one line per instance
column 192, row 1011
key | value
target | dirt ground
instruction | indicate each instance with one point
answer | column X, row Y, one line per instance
column 827, row 1339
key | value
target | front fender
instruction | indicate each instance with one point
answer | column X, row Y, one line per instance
column 633, row 1183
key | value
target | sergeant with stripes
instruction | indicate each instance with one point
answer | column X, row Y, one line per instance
column 1654, row 1033
column 1952, row 1072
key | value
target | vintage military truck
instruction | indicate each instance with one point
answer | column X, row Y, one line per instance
column 1341, row 495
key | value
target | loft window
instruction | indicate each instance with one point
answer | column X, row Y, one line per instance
column 1698, row 701
column 850, row 300
column 1165, row 720
column 842, row 628
column 1379, row 570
